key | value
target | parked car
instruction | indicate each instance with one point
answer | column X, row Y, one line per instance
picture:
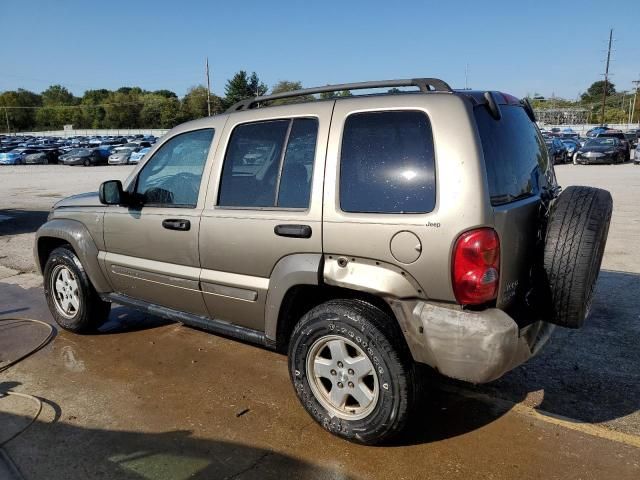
column 139, row 155
column 616, row 134
column 82, row 156
column 636, row 155
column 572, row 146
column 15, row 156
column 43, row 157
column 557, row 150
column 316, row 230
column 632, row 138
column 120, row 155
column 602, row 150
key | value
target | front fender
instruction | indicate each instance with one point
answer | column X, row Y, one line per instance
column 77, row 235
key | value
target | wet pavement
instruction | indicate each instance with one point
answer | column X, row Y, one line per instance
column 150, row 399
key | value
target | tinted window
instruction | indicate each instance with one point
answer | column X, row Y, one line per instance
column 295, row 182
column 172, row 176
column 387, row 163
column 514, row 153
column 257, row 174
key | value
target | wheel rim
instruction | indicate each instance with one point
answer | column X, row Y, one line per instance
column 342, row 378
column 64, row 286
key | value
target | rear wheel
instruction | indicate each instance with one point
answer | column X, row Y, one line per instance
column 351, row 370
column 72, row 300
column 87, row 163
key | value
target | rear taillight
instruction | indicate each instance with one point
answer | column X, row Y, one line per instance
column 476, row 266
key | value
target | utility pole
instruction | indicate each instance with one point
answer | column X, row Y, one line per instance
column 466, row 77
column 635, row 95
column 208, row 88
column 606, row 77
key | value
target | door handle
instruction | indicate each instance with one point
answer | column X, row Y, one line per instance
column 293, row 231
column 176, row 224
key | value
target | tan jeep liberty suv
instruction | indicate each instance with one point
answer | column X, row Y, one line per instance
column 362, row 235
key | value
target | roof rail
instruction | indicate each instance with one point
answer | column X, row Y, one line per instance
column 424, row 84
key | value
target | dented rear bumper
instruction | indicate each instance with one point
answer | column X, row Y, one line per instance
column 476, row 347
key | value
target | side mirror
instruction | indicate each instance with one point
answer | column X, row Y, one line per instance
column 111, row 193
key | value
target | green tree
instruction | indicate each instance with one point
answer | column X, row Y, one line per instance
column 288, row 86
column 597, row 89
column 60, row 107
column 166, row 93
column 20, row 119
column 159, row 111
column 194, row 103
column 242, row 86
column 122, row 109
column 93, row 111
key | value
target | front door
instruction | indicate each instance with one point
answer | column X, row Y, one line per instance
column 152, row 249
column 266, row 206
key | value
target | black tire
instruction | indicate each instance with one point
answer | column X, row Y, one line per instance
column 87, row 163
column 92, row 311
column 373, row 330
column 575, row 241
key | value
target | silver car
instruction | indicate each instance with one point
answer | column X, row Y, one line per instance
column 361, row 236
column 120, row 155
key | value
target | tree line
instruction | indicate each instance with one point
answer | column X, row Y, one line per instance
column 126, row 107
column 618, row 104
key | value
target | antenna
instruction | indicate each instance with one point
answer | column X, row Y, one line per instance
column 606, row 77
column 466, row 77
column 208, row 88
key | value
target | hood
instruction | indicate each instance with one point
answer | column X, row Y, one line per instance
column 89, row 199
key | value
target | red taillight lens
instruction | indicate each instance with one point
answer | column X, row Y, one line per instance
column 476, row 266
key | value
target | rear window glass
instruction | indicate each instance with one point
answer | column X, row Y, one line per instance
column 387, row 163
column 514, row 153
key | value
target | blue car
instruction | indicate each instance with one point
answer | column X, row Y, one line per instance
column 15, row 156
column 137, row 156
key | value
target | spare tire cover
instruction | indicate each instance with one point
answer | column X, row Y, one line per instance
column 575, row 239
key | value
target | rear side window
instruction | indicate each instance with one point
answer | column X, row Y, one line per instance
column 514, row 153
column 387, row 163
column 269, row 164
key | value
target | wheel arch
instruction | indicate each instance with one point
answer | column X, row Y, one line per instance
column 59, row 232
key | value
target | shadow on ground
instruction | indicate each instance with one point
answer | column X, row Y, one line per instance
column 21, row 221
column 590, row 374
column 175, row 455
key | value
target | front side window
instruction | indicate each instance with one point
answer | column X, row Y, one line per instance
column 387, row 163
column 172, row 176
column 269, row 164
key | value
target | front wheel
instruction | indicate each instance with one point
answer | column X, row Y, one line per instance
column 352, row 371
column 72, row 300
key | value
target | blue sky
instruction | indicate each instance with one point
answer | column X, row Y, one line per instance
column 515, row 46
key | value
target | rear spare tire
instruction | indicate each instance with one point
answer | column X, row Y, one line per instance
column 575, row 240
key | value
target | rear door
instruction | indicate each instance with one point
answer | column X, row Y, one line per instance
column 518, row 168
column 264, row 203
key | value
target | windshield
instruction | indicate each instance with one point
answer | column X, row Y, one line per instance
column 600, row 142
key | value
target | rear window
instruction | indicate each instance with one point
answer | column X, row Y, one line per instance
column 387, row 163
column 514, row 153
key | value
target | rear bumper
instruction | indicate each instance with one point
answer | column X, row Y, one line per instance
column 476, row 347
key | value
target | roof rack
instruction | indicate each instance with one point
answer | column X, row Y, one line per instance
column 424, row 84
